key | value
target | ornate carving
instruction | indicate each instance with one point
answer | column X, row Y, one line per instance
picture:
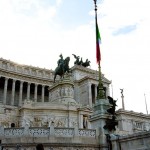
column 87, row 133
column 61, row 91
column 73, row 122
column 39, row 132
column 14, row 132
column 27, row 121
column 27, row 79
column 64, row 132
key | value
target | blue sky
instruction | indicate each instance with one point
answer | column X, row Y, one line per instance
column 35, row 32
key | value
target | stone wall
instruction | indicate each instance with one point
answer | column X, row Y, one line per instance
column 136, row 141
column 52, row 138
column 68, row 139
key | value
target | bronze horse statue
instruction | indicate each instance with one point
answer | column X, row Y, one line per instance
column 62, row 68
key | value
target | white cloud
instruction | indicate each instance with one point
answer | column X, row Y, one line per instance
column 59, row 2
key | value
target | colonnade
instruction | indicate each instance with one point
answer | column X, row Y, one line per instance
column 44, row 91
column 39, row 92
column 93, row 91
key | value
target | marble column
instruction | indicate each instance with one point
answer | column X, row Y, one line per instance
column 28, row 91
column 13, row 92
column 49, row 96
column 5, row 91
column 43, row 91
column 107, row 91
column 96, row 92
column 90, row 94
column 35, row 92
column 20, row 93
column 80, row 119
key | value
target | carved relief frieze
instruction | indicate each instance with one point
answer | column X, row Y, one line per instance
column 73, row 122
column 47, row 121
column 61, row 91
column 7, row 119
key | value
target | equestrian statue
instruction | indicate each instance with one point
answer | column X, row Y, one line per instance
column 62, row 68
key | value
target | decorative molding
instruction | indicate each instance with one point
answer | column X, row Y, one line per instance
column 25, row 79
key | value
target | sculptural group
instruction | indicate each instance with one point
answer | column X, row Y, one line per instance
column 63, row 65
column 79, row 61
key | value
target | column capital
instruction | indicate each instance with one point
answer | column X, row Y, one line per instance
column 29, row 83
column 21, row 81
column 36, row 84
column 6, row 78
column 14, row 80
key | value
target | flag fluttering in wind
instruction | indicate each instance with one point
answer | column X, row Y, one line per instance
column 98, row 42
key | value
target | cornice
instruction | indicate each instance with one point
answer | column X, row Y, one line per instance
column 25, row 78
column 30, row 71
column 83, row 69
column 22, row 65
column 35, row 73
column 91, row 74
column 132, row 113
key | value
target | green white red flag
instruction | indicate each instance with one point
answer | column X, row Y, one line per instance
column 98, row 42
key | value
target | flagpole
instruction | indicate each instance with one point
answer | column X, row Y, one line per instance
column 101, row 94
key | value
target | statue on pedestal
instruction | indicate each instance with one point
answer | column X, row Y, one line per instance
column 63, row 67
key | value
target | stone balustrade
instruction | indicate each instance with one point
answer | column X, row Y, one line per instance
column 46, row 132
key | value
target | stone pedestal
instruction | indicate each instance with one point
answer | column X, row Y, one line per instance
column 62, row 91
column 98, row 119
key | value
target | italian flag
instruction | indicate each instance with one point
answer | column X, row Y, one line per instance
column 98, row 42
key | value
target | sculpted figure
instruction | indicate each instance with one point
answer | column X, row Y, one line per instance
column 113, row 122
column 80, row 62
column 86, row 63
column 113, row 107
column 77, row 59
column 60, row 61
column 63, row 67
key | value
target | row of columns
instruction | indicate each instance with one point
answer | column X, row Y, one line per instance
column 95, row 89
column 35, row 92
column 21, row 92
column 90, row 93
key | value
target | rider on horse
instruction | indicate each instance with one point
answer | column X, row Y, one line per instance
column 63, row 67
column 60, row 62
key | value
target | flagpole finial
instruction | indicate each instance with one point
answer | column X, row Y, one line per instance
column 95, row 2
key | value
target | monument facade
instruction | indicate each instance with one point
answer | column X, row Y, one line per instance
column 34, row 109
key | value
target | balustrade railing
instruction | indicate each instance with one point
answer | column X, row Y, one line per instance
column 46, row 132
column 64, row 132
column 38, row 132
column 87, row 132
column 10, row 132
